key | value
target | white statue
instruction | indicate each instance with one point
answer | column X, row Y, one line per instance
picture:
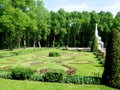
column 100, row 43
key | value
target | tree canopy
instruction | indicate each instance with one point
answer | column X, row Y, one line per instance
column 27, row 23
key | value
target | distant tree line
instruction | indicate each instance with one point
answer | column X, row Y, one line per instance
column 27, row 23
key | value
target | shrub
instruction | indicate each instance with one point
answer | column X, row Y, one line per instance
column 82, row 79
column 94, row 46
column 54, row 54
column 111, row 74
column 73, row 79
column 100, row 60
column 54, row 75
column 21, row 73
column 37, row 77
column 92, row 80
column 6, row 75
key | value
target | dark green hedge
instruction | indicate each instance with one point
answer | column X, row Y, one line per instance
column 54, row 54
column 21, row 73
column 76, row 79
column 54, row 76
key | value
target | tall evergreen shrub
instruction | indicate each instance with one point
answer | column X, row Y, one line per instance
column 111, row 74
column 94, row 46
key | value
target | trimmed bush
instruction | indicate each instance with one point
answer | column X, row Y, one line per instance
column 82, row 79
column 21, row 73
column 54, row 54
column 94, row 46
column 111, row 74
column 37, row 77
column 54, row 76
column 6, row 75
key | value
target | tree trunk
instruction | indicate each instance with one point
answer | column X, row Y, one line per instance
column 18, row 39
column 24, row 41
column 34, row 40
column 39, row 44
column 10, row 41
column 34, row 43
column 53, row 42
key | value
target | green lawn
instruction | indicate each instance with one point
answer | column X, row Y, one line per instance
column 29, row 85
column 85, row 64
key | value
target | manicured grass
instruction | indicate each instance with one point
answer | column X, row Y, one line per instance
column 85, row 64
column 29, row 85
column 38, row 58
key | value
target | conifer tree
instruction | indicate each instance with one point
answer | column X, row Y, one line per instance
column 94, row 46
column 111, row 74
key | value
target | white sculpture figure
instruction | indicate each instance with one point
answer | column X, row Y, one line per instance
column 100, row 43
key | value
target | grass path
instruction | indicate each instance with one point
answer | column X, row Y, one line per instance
column 29, row 85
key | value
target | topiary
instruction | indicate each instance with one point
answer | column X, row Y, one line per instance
column 94, row 46
column 21, row 73
column 54, row 54
column 111, row 74
column 54, row 75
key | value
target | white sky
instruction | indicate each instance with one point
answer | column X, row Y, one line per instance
column 83, row 5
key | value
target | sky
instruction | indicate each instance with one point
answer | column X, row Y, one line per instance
column 83, row 5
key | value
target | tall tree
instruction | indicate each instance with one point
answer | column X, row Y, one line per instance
column 117, row 21
column 105, row 25
column 54, row 28
column 111, row 75
column 6, row 20
column 43, row 21
column 62, row 27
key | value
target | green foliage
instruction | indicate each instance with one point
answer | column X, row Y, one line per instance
column 6, row 75
column 82, row 79
column 94, row 46
column 100, row 60
column 26, row 23
column 37, row 77
column 21, row 73
column 54, row 54
column 54, row 76
column 111, row 75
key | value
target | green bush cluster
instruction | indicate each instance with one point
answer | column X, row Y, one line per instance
column 21, row 73
column 82, row 79
column 54, row 54
column 6, row 75
column 37, row 77
column 99, row 58
column 54, row 76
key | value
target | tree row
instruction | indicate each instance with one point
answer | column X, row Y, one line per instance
column 28, row 23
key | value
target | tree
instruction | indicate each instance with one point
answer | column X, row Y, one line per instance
column 105, row 25
column 117, row 21
column 85, row 29
column 6, row 20
column 21, row 21
column 54, row 28
column 111, row 74
column 94, row 46
column 43, row 22
column 62, row 27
